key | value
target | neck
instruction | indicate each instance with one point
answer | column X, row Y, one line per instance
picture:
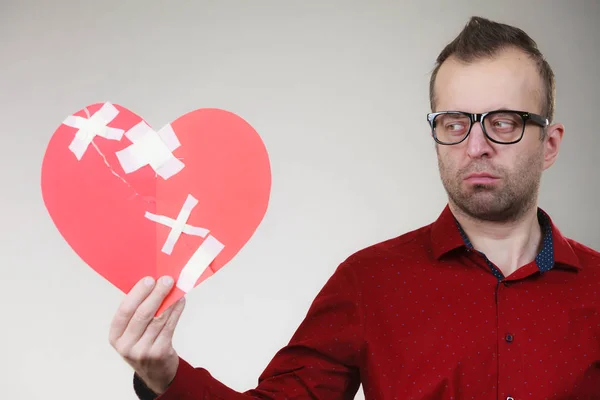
column 509, row 245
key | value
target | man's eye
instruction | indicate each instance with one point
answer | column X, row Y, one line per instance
column 454, row 127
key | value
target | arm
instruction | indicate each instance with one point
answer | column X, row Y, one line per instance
column 321, row 361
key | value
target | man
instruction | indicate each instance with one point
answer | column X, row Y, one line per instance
column 489, row 302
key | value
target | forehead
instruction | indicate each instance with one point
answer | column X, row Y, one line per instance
column 508, row 80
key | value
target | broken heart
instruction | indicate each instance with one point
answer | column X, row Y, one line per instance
column 133, row 201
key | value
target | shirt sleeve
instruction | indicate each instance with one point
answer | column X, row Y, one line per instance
column 321, row 361
column 142, row 391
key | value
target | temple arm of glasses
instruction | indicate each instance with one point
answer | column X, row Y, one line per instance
column 538, row 119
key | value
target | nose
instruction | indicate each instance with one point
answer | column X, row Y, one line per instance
column 478, row 144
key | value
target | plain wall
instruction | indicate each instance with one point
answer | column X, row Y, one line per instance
column 338, row 92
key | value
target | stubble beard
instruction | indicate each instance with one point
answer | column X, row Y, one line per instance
column 504, row 201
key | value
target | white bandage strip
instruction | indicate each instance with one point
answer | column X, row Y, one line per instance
column 198, row 263
column 88, row 129
column 170, row 222
column 178, row 226
column 151, row 148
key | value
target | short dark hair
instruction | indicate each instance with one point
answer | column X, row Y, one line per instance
column 483, row 38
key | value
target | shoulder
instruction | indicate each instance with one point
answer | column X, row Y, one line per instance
column 397, row 251
column 588, row 257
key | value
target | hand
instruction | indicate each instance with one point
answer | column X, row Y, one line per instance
column 143, row 340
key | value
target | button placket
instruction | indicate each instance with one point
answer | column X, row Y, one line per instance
column 510, row 370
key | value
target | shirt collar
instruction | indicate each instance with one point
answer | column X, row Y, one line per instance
column 447, row 235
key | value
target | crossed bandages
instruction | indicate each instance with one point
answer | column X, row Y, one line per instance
column 148, row 146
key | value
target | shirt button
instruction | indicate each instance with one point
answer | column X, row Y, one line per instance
column 509, row 338
column 510, row 398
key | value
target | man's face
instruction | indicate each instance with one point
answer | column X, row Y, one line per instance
column 511, row 81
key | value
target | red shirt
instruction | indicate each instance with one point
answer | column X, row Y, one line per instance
column 424, row 316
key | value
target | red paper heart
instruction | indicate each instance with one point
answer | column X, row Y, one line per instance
column 102, row 210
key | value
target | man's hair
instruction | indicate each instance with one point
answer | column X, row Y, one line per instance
column 483, row 38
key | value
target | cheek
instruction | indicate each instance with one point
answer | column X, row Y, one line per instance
column 534, row 162
column 451, row 160
column 523, row 165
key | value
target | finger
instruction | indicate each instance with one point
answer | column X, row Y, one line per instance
column 128, row 306
column 154, row 328
column 147, row 310
column 165, row 336
column 142, row 349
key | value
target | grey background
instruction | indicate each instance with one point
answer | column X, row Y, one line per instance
column 338, row 92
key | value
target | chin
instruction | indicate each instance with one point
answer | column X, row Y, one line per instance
column 480, row 190
column 479, row 201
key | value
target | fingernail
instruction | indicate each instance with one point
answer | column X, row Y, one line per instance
column 148, row 281
column 167, row 280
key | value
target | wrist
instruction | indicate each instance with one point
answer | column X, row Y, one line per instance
column 160, row 381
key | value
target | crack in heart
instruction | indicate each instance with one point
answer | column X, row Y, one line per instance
column 147, row 199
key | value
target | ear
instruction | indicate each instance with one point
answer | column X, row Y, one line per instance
column 551, row 143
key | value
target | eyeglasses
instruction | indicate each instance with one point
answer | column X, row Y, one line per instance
column 500, row 126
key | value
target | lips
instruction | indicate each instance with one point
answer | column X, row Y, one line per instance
column 481, row 178
column 481, row 175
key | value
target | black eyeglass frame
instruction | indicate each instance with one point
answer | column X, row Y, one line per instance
column 475, row 117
